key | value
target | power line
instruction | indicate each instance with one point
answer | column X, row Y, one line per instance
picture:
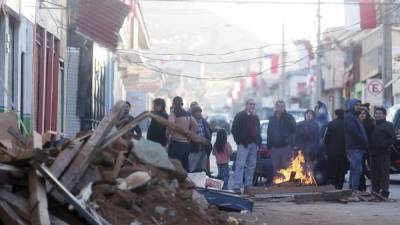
column 276, row 2
column 252, row 48
column 159, row 70
column 212, row 62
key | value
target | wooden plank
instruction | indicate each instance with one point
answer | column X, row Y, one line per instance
column 71, row 199
column 19, row 204
column 62, row 161
column 121, row 132
column 118, row 164
column 8, row 216
column 38, row 200
column 89, row 151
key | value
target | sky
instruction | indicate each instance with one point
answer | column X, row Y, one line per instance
column 266, row 20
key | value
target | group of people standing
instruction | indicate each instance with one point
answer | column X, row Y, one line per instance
column 353, row 140
column 370, row 140
column 193, row 157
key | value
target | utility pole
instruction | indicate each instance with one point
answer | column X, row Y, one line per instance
column 317, row 94
column 387, row 52
column 283, row 67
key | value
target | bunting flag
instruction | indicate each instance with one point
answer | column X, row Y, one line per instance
column 274, row 62
column 367, row 14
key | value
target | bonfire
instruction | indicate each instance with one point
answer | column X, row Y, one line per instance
column 295, row 172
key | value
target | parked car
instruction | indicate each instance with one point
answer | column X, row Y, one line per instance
column 394, row 117
column 298, row 114
column 264, row 174
column 219, row 121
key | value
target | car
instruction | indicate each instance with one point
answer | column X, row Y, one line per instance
column 298, row 114
column 263, row 174
column 394, row 117
column 219, row 121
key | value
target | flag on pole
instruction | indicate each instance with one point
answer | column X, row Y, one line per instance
column 367, row 14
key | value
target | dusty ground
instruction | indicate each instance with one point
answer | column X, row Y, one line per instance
column 287, row 213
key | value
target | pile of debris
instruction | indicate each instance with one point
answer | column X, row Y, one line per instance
column 99, row 178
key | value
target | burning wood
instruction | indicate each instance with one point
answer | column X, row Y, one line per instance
column 295, row 172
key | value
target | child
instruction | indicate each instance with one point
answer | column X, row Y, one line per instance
column 222, row 151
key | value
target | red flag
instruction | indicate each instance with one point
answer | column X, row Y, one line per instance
column 274, row 63
column 367, row 14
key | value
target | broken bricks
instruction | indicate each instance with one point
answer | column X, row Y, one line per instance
column 152, row 181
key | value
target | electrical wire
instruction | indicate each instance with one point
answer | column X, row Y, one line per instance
column 387, row 12
column 214, row 62
column 159, row 70
column 276, row 2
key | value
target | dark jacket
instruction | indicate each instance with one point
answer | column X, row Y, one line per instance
column 334, row 138
column 126, row 119
column 369, row 126
column 281, row 131
column 383, row 137
column 355, row 134
column 307, row 136
column 156, row 131
column 240, row 129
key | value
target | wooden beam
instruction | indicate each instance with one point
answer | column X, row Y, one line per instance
column 38, row 200
column 71, row 199
column 172, row 126
column 121, row 132
column 8, row 216
column 192, row 136
column 91, row 148
column 63, row 160
column 118, row 164
column 19, row 204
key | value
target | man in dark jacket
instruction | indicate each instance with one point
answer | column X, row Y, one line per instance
column 246, row 132
column 281, row 134
column 125, row 119
column 156, row 131
column 356, row 142
column 335, row 149
column 383, row 137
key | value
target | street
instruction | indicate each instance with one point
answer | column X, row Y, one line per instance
column 288, row 213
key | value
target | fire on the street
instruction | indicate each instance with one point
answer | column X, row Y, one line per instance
column 295, row 172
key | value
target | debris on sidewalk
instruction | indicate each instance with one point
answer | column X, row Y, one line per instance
column 101, row 177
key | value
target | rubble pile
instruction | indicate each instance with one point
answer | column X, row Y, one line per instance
column 98, row 178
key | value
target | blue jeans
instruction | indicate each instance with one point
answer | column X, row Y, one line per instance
column 223, row 174
column 246, row 159
column 355, row 157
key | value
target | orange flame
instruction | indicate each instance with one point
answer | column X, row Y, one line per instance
column 297, row 166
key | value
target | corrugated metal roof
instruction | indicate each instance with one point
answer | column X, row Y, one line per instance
column 101, row 20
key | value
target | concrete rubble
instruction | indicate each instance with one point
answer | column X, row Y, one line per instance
column 98, row 178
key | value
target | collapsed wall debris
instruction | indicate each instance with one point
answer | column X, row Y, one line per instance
column 98, row 178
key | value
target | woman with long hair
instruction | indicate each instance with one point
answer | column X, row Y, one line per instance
column 222, row 151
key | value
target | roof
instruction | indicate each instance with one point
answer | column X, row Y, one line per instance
column 101, row 20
